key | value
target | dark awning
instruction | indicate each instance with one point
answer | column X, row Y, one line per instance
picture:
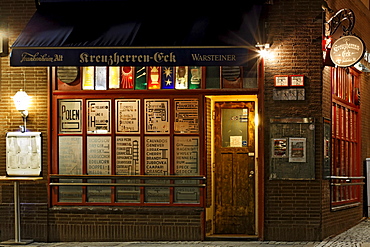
column 120, row 33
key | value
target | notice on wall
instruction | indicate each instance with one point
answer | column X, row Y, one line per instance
column 127, row 117
column 98, row 116
column 157, row 151
column 99, row 155
column 157, row 116
column 70, row 112
column 186, row 116
column 292, row 153
column 128, row 155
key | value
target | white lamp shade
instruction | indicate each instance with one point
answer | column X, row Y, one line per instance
column 21, row 100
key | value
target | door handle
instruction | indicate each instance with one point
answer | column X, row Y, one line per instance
column 251, row 174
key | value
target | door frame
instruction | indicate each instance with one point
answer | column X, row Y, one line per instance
column 210, row 209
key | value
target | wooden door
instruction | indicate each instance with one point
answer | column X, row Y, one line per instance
column 234, row 168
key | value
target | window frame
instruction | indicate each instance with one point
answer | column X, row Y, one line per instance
column 346, row 166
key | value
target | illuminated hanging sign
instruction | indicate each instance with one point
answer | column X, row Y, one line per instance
column 131, row 56
column 347, row 51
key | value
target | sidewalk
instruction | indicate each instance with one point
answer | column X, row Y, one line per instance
column 357, row 236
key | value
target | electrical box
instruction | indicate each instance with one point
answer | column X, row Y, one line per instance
column 23, row 154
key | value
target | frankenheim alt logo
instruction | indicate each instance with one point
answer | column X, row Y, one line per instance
column 37, row 57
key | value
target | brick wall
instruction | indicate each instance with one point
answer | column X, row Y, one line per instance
column 300, row 210
column 124, row 224
column 14, row 15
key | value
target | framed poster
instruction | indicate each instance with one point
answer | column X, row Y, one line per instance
column 157, row 150
column 127, row 77
column 186, row 155
column 297, row 80
column 181, row 77
column 297, row 149
column 127, row 155
column 70, row 115
column 100, row 78
column 281, row 80
column 186, row 116
column 88, row 78
column 279, row 147
column 186, row 163
column 128, row 163
column 70, row 162
column 114, row 77
column 99, row 163
column 98, row 116
column 157, row 117
column 154, row 77
column 292, row 151
column 99, row 155
column 168, row 78
column 127, row 116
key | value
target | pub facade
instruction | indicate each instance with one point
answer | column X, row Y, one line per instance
column 214, row 122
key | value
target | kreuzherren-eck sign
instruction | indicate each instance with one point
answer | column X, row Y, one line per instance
column 347, row 51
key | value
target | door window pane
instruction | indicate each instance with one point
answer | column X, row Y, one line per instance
column 234, row 127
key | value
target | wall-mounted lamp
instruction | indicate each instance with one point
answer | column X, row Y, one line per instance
column 263, row 50
column 21, row 101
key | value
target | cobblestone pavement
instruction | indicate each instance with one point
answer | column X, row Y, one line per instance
column 357, row 236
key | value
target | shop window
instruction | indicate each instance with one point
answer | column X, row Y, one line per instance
column 122, row 137
column 117, row 151
column 345, row 162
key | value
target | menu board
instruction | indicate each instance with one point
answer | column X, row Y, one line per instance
column 186, row 163
column 98, row 116
column 70, row 113
column 70, row 162
column 157, row 116
column 127, row 116
column 99, row 163
column 186, row 116
column 157, row 152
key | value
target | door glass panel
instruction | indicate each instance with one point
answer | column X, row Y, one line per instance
column 234, row 127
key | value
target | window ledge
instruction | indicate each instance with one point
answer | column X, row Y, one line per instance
column 346, row 206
